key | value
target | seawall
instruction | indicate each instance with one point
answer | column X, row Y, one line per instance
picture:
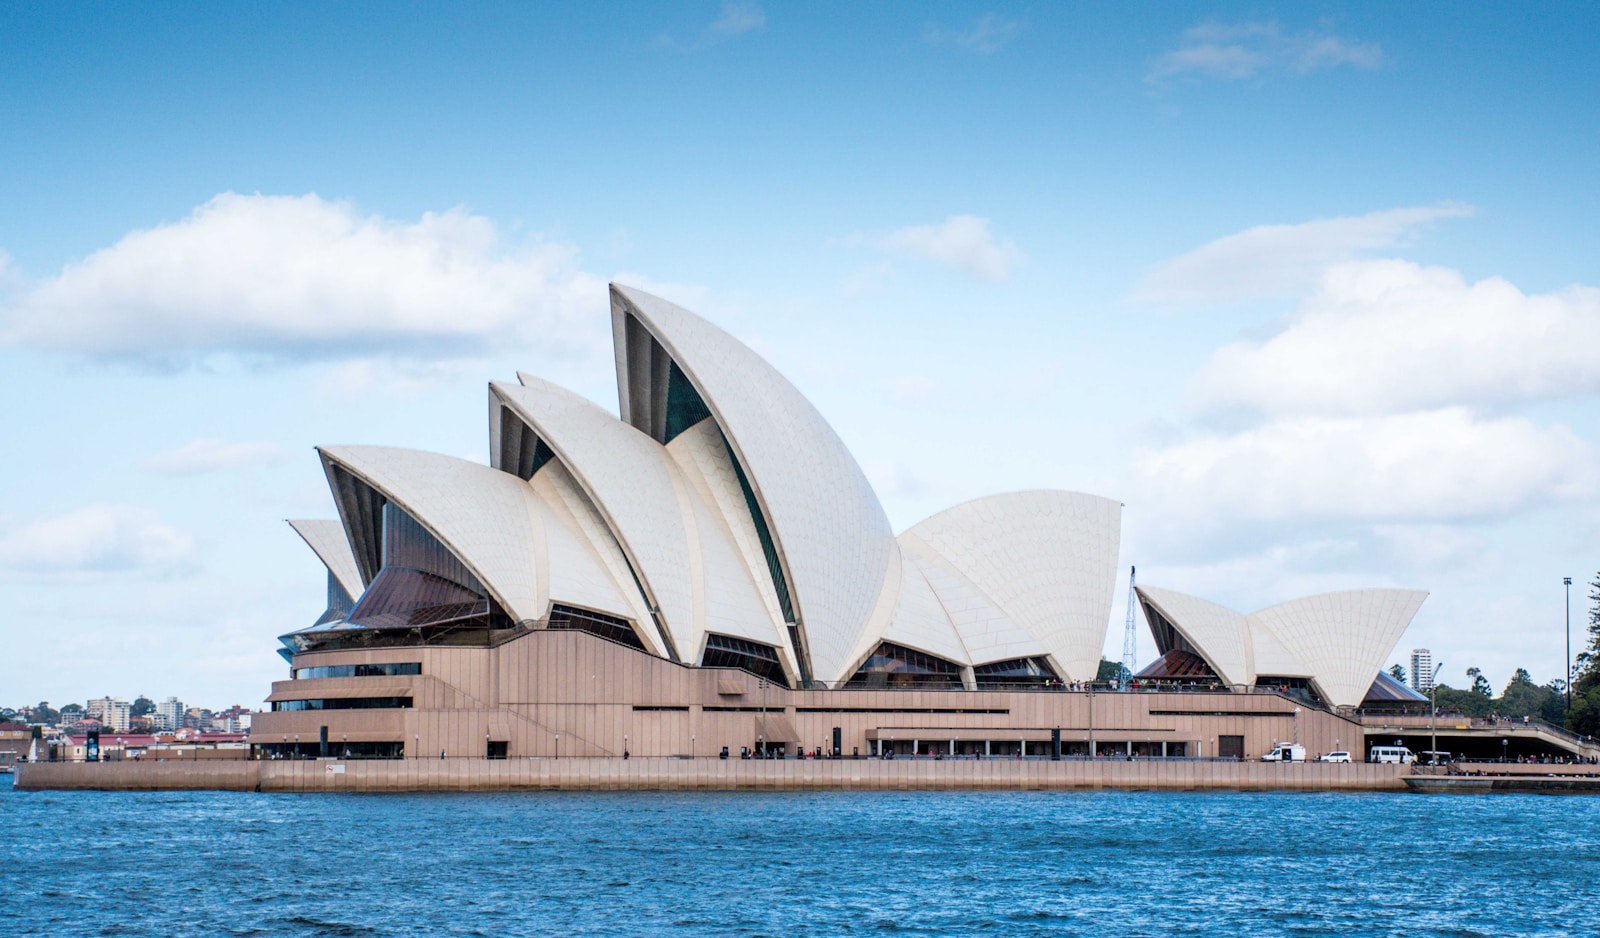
column 709, row 775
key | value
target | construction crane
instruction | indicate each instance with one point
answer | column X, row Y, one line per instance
column 1131, row 635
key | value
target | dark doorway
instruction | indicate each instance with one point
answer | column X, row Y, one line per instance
column 497, row 749
column 1230, row 747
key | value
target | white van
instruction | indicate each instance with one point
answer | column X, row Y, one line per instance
column 1391, row 754
column 1286, row 752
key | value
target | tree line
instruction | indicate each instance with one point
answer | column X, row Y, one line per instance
column 1523, row 698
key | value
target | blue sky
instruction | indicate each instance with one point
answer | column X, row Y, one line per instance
column 1311, row 288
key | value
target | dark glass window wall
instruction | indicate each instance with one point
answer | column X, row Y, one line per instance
column 894, row 666
column 386, row 669
column 596, row 623
column 1017, row 672
column 725, row 651
column 344, row 703
column 342, row 750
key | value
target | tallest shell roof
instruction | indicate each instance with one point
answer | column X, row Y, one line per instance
column 832, row 537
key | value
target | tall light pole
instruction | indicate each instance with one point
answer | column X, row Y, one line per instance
column 1567, row 582
column 1433, row 715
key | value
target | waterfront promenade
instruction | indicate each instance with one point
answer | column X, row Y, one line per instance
column 319, row 775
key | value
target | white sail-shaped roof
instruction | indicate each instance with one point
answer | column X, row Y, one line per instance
column 483, row 516
column 326, row 537
column 660, row 514
column 633, row 484
column 1046, row 559
column 530, row 543
column 1338, row 641
column 832, row 539
column 984, row 631
column 1216, row 633
column 579, row 562
column 1343, row 637
column 736, row 594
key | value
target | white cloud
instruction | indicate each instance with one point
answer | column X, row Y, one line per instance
column 1280, row 260
column 986, row 35
column 94, row 539
column 1244, row 50
column 9, row 276
column 1387, row 336
column 963, row 242
column 739, row 18
column 735, row 18
column 212, row 455
column 281, row 276
column 1439, row 466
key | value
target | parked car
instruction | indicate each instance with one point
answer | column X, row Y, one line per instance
column 1286, row 752
column 1340, row 756
column 1392, row 754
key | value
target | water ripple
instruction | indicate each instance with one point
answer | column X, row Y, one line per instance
column 798, row 864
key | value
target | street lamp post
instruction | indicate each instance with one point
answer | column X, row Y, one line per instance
column 761, row 741
column 1433, row 714
column 1567, row 582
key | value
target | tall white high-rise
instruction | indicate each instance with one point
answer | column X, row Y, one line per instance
column 112, row 712
column 169, row 713
column 1421, row 670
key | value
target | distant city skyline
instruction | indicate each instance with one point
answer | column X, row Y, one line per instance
column 1314, row 294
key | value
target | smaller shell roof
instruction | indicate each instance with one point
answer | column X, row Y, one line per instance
column 1047, row 559
column 1338, row 640
column 327, row 538
column 1216, row 633
column 1343, row 638
column 483, row 515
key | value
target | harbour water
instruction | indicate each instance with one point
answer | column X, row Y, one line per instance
column 788, row 864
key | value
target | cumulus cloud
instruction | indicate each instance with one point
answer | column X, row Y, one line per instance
column 94, row 539
column 300, row 276
column 1441, row 466
column 963, row 242
column 1281, row 260
column 986, row 35
column 1386, row 336
column 212, row 455
column 1245, row 50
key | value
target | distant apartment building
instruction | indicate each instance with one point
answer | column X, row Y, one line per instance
column 1421, row 670
column 169, row 714
column 112, row 712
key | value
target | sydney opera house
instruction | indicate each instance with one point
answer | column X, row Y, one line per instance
column 712, row 572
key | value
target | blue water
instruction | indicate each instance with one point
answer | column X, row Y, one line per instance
column 906, row 863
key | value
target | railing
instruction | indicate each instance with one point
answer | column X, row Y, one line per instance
column 1448, row 721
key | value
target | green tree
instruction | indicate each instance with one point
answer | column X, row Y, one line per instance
column 1456, row 700
column 1522, row 697
column 1554, row 711
column 1480, row 684
column 1111, row 671
column 142, row 706
column 1398, row 673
